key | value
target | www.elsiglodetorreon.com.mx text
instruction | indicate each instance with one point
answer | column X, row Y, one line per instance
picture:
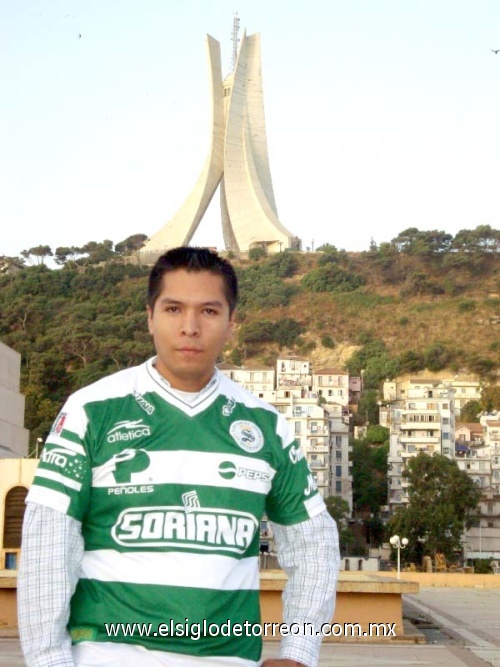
column 196, row 631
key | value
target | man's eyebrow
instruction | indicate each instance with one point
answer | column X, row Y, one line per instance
column 166, row 300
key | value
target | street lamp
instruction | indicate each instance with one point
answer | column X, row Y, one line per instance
column 399, row 544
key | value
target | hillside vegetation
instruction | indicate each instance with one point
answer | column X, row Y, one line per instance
column 419, row 302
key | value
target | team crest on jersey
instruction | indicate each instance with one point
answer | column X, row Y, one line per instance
column 248, row 436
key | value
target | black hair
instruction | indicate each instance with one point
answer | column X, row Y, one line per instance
column 193, row 259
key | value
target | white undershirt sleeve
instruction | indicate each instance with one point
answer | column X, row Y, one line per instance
column 309, row 554
column 51, row 556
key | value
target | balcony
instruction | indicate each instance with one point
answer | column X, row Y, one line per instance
column 318, row 430
column 417, row 439
column 317, row 464
column 320, row 449
column 420, row 426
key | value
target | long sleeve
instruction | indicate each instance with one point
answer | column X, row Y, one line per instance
column 309, row 553
column 52, row 551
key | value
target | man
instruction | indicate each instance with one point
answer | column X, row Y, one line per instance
column 146, row 505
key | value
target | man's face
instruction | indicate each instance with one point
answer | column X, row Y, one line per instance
column 190, row 324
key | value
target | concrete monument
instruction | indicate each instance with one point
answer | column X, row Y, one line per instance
column 237, row 161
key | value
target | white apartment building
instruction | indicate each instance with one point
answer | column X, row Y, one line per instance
column 293, row 372
column 467, row 389
column 321, row 430
column 332, row 384
column 420, row 415
column 255, row 378
column 13, row 436
column 477, row 452
column 482, row 540
column 491, row 425
column 340, row 465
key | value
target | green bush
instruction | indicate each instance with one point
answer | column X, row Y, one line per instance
column 466, row 306
column 256, row 253
column 330, row 278
column 327, row 341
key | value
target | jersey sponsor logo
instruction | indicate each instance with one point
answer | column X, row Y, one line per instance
column 56, row 457
column 210, row 528
column 248, row 436
column 127, row 462
column 191, row 501
column 128, row 490
column 228, row 470
column 145, row 405
column 296, row 453
column 227, row 410
column 57, row 426
column 127, row 430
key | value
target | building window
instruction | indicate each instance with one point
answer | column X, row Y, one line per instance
column 338, row 471
column 338, row 455
column 298, row 427
column 13, row 517
column 338, row 487
column 338, row 441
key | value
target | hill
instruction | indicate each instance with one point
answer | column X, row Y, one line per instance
column 387, row 311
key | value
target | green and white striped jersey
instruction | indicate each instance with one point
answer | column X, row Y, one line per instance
column 170, row 495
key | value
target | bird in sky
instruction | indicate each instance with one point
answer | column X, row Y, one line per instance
column 495, row 51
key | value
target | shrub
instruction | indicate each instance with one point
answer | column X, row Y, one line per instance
column 329, row 278
column 256, row 253
column 466, row 306
column 327, row 341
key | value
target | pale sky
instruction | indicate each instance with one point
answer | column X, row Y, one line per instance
column 381, row 115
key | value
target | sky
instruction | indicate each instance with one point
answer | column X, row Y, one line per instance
column 381, row 115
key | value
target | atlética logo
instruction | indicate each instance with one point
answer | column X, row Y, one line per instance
column 127, row 430
column 248, row 436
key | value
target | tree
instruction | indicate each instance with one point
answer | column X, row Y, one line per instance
column 490, row 398
column 40, row 252
column 65, row 254
column 131, row 244
column 442, row 501
column 470, row 412
column 368, row 410
column 369, row 476
column 377, row 435
column 338, row 509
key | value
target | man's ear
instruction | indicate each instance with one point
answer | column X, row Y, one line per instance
column 150, row 319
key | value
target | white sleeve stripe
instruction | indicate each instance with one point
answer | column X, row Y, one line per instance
column 48, row 498
column 57, row 477
column 67, row 444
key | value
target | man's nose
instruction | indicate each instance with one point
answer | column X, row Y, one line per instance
column 190, row 324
